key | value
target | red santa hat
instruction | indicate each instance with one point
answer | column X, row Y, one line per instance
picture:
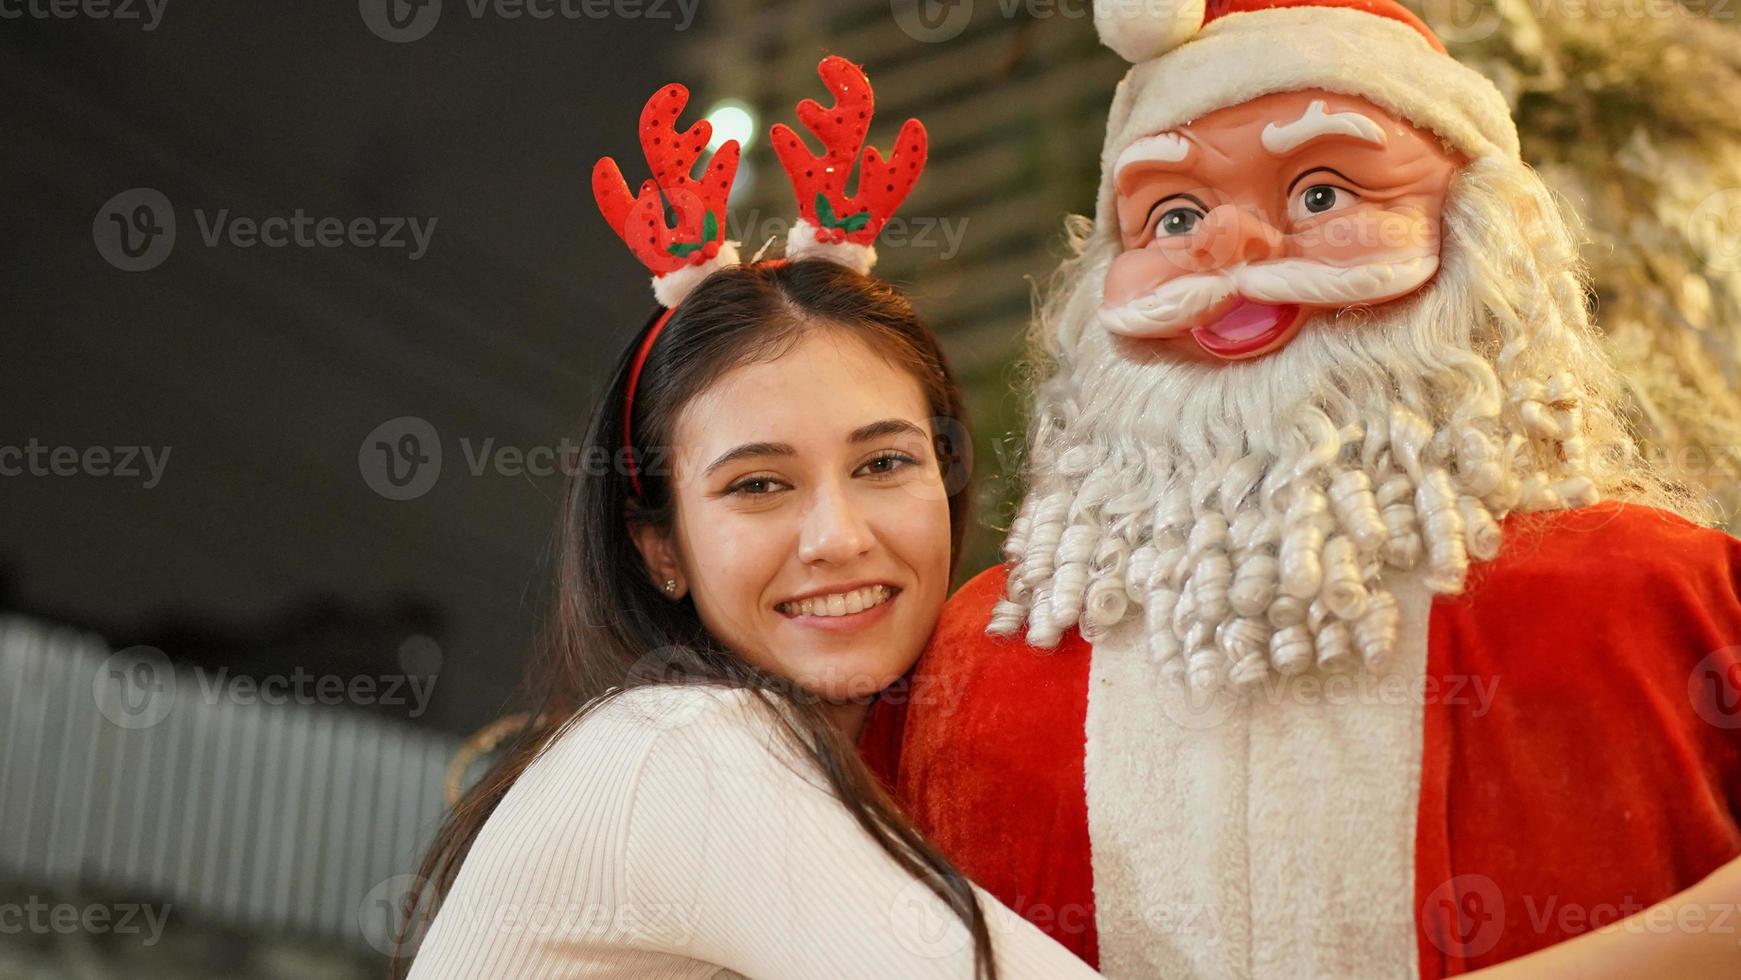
column 1192, row 57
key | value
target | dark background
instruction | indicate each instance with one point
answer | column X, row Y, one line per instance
column 263, row 369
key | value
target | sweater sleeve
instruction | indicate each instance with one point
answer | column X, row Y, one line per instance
column 737, row 854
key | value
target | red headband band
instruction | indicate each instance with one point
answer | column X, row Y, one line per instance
column 629, row 398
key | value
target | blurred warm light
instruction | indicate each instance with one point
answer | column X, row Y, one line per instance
column 732, row 120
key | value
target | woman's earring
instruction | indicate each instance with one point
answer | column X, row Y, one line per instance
column 671, row 586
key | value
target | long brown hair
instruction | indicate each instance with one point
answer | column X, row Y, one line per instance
column 611, row 629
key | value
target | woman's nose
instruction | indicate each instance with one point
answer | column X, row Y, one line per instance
column 835, row 532
column 1233, row 235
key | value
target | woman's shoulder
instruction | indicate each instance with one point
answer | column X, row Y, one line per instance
column 662, row 706
column 634, row 773
column 657, row 724
column 590, row 772
column 648, row 712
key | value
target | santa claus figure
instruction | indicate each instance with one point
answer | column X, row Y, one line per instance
column 1342, row 633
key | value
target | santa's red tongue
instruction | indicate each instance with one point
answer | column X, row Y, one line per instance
column 1246, row 327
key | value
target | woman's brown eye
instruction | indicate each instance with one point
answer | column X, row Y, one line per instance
column 887, row 463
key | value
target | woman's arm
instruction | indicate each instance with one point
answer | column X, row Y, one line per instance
column 750, row 863
column 1695, row 935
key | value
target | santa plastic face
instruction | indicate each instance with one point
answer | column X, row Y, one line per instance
column 1304, row 348
column 1240, row 226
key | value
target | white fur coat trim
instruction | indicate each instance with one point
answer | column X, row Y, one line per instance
column 1269, row 836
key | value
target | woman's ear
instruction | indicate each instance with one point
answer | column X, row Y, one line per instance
column 659, row 555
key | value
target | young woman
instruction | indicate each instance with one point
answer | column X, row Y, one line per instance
column 768, row 548
column 725, row 626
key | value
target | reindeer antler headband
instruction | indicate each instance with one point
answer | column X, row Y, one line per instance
column 830, row 224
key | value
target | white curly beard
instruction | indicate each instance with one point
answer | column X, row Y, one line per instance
column 1250, row 510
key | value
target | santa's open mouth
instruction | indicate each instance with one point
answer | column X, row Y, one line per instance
column 1246, row 328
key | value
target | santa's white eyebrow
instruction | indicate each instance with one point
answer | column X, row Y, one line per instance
column 1316, row 123
column 1159, row 148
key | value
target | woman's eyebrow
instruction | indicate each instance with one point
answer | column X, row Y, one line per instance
column 885, row 427
column 864, row 433
column 750, row 450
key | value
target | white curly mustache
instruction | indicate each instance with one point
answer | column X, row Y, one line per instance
column 1171, row 309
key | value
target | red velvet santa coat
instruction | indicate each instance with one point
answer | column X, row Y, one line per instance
column 1562, row 748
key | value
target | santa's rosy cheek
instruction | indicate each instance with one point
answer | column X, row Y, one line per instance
column 1368, row 234
column 1140, row 271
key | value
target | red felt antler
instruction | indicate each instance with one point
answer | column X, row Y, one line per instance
column 699, row 204
column 820, row 181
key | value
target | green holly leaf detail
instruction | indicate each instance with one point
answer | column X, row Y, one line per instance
column 856, row 222
column 824, row 212
column 709, row 231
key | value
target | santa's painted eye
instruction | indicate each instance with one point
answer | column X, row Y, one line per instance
column 1178, row 221
column 1321, row 199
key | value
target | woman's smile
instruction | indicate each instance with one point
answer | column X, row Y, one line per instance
column 841, row 609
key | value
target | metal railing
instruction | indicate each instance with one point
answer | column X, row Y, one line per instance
column 118, row 770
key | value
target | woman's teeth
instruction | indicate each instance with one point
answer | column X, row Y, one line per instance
column 839, row 603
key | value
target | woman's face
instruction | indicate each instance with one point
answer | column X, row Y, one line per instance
column 812, row 525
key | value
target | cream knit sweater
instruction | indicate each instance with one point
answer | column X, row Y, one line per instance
column 671, row 833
